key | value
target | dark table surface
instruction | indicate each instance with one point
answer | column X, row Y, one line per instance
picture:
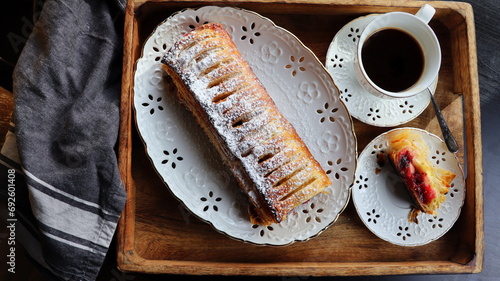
column 487, row 23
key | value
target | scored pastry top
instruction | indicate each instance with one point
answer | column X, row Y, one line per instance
column 262, row 149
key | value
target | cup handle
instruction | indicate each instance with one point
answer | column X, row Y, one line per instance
column 426, row 13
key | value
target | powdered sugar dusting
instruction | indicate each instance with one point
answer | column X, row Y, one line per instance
column 242, row 113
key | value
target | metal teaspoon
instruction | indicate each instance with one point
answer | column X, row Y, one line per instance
column 450, row 141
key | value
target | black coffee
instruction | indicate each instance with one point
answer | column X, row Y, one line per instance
column 393, row 59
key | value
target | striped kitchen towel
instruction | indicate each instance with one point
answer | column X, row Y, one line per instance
column 67, row 93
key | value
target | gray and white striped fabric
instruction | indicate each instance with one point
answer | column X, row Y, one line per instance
column 67, row 93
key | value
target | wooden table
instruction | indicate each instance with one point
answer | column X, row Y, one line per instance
column 6, row 109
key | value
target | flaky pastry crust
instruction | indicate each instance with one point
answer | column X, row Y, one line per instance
column 273, row 166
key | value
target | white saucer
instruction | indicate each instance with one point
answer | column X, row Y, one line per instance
column 383, row 204
column 362, row 105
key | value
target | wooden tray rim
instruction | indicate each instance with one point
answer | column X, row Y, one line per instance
column 129, row 260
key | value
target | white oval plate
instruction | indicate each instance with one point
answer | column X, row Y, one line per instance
column 301, row 88
column 383, row 204
column 362, row 105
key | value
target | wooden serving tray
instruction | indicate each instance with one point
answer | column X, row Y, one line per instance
column 157, row 234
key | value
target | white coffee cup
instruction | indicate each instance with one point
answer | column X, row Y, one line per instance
column 416, row 26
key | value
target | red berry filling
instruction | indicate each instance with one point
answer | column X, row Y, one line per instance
column 416, row 180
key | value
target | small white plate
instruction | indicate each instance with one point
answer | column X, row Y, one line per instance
column 383, row 204
column 362, row 105
column 301, row 88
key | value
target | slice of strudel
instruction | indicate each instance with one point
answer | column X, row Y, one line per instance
column 271, row 163
column 426, row 184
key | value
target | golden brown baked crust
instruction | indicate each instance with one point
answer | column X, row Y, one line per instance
column 261, row 148
column 427, row 184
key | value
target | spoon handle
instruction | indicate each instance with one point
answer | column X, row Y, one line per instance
column 450, row 141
